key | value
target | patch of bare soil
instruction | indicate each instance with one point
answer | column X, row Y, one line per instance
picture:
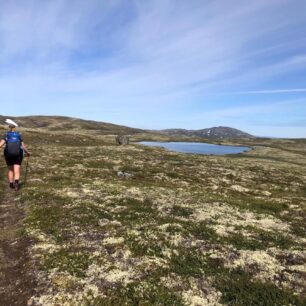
column 16, row 280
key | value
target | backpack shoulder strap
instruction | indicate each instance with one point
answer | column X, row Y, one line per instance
column 6, row 136
column 19, row 136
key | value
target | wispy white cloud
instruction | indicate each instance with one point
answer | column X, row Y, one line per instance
column 268, row 91
column 253, row 109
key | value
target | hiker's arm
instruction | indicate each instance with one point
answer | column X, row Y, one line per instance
column 2, row 142
column 24, row 148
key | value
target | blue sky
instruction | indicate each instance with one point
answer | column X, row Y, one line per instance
column 158, row 64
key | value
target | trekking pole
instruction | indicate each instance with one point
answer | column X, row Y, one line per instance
column 26, row 171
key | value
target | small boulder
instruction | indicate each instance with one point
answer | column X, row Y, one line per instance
column 124, row 175
column 122, row 140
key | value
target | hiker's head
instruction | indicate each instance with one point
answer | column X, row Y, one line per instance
column 12, row 125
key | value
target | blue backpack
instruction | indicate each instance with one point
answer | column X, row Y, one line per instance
column 13, row 144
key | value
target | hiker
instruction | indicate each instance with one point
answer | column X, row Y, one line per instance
column 13, row 153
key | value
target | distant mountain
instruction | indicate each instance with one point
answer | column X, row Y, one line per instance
column 214, row 132
column 60, row 123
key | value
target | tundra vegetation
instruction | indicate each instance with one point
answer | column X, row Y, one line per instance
column 177, row 229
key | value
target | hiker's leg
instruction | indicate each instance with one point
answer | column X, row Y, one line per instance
column 17, row 176
column 16, row 172
column 10, row 174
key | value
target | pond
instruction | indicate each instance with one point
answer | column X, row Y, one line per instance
column 197, row 147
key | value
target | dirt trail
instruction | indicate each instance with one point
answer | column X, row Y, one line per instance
column 16, row 283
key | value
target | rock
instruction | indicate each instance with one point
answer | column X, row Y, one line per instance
column 266, row 193
column 103, row 222
column 239, row 188
column 122, row 140
column 122, row 174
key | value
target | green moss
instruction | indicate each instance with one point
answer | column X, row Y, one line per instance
column 88, row 214
column 260, row 240
column 275, row 239
column 202, row 231
column 175, row 228
column 239, row 289
column 135, row 210
column 43, row 196
column 181, row 211
column 241, row 242
column 147, row 293
column 173, row 174
column 257, row 205
column 62, row 181
column 138, row 248
column 237, row 286
column 49, row 220
column 98, row 164
column 65, row 260
column 187, row 263
column 296, row 219
column 144, row 245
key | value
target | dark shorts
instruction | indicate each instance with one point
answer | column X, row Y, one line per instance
column 11, row 161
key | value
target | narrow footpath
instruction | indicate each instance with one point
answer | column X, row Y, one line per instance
column 16, row 283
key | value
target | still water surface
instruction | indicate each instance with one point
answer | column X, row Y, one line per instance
column 197, row 147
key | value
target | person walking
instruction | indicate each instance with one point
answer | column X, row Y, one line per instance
column 13, row 153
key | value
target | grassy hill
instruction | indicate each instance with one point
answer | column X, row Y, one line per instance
column 135, row 225
column 60, row 123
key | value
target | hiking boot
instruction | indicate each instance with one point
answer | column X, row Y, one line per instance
column 16, row 186
column 12, row 186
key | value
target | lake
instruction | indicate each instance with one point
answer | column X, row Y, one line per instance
column 197, row 147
